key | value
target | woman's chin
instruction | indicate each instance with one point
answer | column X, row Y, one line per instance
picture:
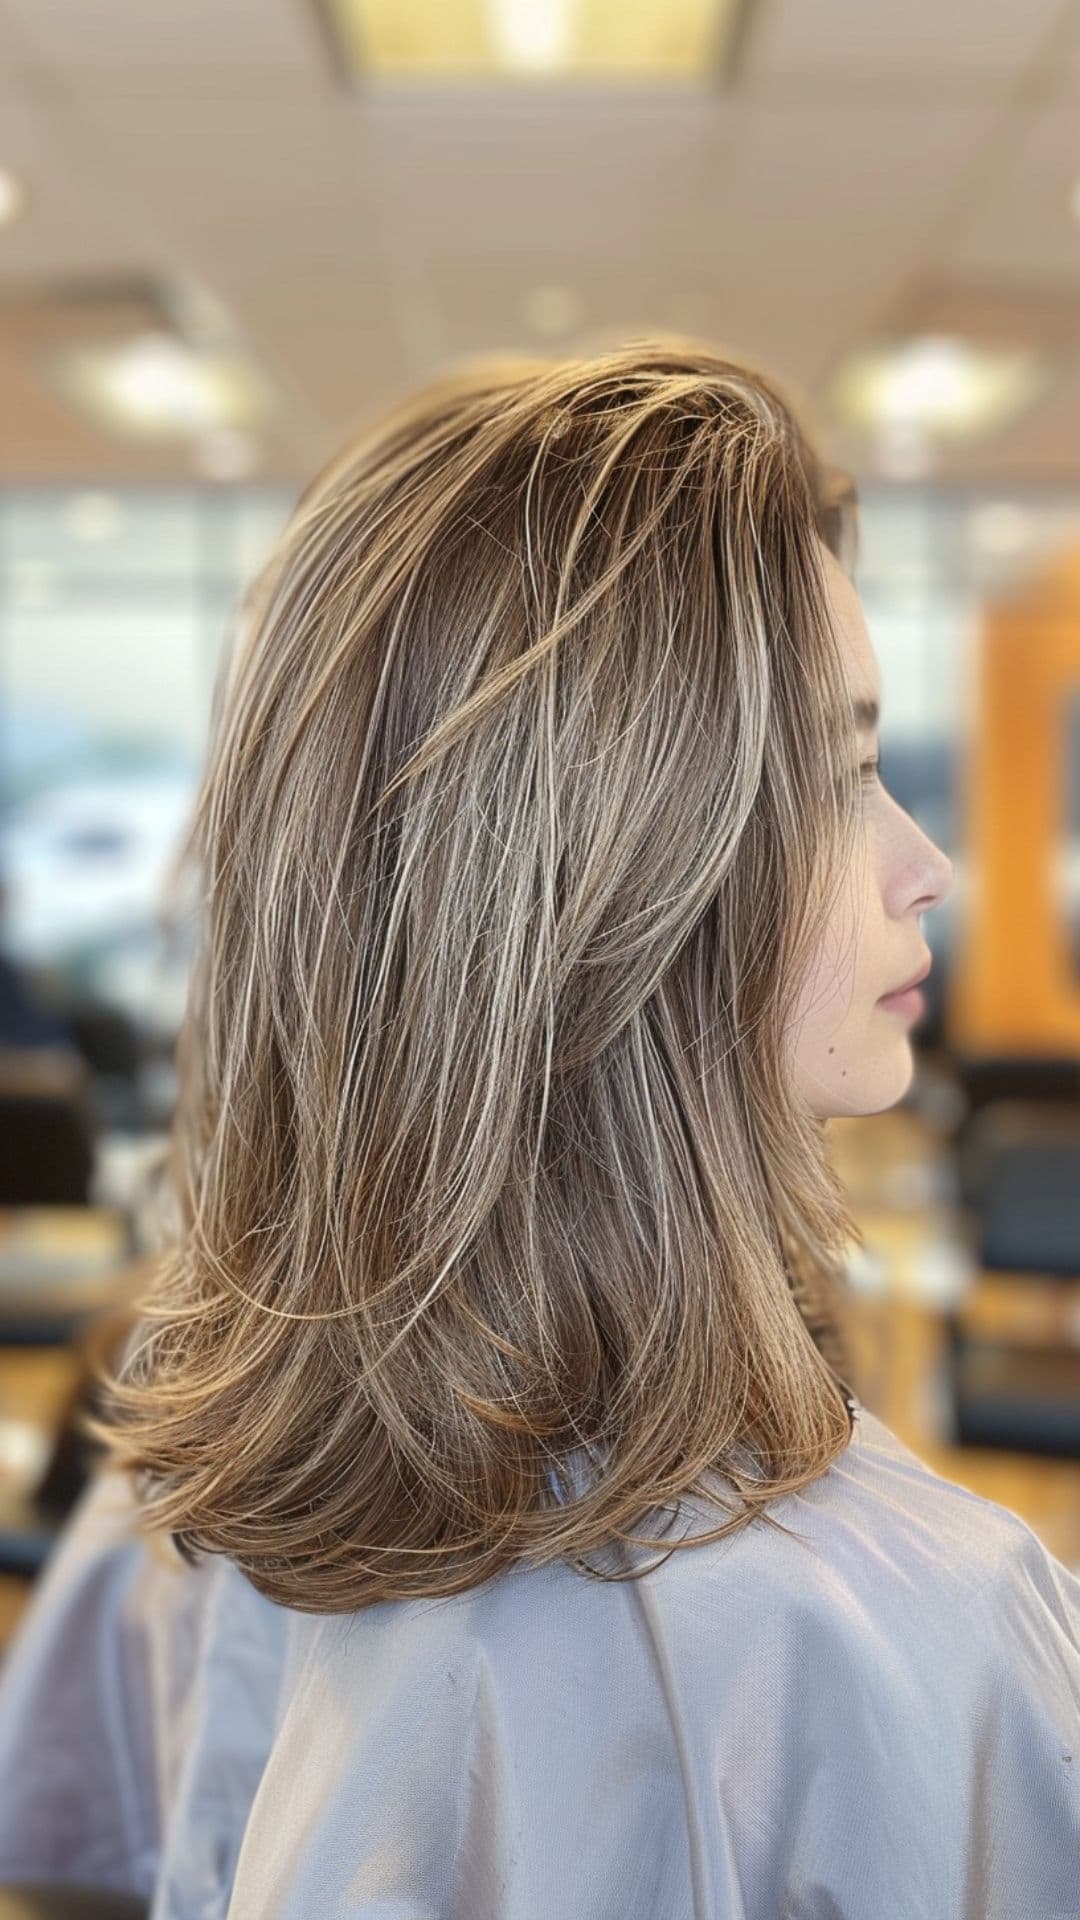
column 868, row 1090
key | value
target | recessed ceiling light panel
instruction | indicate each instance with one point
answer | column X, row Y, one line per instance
column 639, row 40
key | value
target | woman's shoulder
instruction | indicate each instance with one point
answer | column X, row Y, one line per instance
column 756, row 1687
column 879, row 1560
column 928, row 1520
column 883, row 1537
column 721, row 1714
column 879, row 1549
column 880, row 1525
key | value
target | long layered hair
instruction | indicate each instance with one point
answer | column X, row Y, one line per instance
column 532, row 780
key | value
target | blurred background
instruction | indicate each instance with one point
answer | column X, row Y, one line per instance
column 231, row 235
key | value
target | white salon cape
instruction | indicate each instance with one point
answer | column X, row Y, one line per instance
column 880, row 1723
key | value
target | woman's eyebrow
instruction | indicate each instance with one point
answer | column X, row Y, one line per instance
column 867, row 714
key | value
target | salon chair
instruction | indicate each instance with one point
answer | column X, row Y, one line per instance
column 1043, row 1084
column 1023, row 1398
column 988, row 1134
column 46, row 1151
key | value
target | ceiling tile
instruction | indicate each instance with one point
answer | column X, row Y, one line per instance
column 1024, row 227
column 172, row 47
column 838, row 37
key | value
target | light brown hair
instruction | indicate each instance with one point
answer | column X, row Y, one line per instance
column 532, row 778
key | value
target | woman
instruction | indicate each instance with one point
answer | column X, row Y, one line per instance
column 550, row 893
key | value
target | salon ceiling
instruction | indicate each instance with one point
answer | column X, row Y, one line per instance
column 870, row 168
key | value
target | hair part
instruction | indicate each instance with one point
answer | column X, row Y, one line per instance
column 498, row 1223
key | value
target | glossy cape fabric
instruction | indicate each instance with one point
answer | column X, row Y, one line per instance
column 877, row 1721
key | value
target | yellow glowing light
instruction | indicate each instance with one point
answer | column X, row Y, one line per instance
column 155, row 385
column 937, row 385
column 643, row 40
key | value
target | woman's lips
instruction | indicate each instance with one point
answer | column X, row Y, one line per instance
column 910, row 1002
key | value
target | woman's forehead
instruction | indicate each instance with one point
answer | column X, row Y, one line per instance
column 849, row 619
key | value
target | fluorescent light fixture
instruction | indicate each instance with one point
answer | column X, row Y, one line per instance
column 12, row 197
column 534, row 34
column 154, row 386
column 938, row 386
column 643, row 40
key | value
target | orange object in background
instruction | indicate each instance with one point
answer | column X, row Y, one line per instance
column 1014, row 986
